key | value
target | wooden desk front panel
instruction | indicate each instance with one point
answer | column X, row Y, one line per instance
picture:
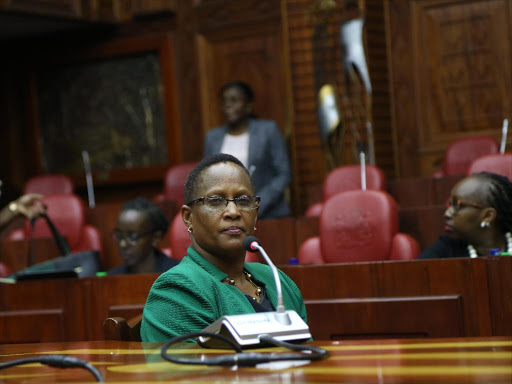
column 395, row 299
column 457, row 297
column 42, row 311
column 123, row 295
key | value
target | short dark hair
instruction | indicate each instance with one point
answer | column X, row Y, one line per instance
column 194, row 176
column 155, row 215
column 244, row 87
column 500, row 198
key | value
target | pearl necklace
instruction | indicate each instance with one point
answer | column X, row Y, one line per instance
column 508, row 236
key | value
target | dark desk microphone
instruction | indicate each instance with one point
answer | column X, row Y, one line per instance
column 246, row 330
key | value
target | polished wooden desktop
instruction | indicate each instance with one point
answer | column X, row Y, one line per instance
column 451, row 360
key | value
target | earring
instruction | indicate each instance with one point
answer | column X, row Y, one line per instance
column 255, row 229
column 484, row 224
column 189, row 229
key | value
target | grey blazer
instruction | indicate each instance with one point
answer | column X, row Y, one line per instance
column 269, row 165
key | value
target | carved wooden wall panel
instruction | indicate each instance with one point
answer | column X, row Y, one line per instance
column 228, row 51
column 253, row 59
column 450, row 63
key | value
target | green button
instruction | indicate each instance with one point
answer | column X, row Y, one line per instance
column 100, row 274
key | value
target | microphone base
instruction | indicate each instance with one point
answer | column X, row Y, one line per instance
column 245, row 330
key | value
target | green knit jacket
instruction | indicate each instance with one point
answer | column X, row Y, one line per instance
column 191, row 296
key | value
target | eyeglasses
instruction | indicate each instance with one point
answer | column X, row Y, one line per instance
column 457, row 204
column 217, row 203
column 130, row 238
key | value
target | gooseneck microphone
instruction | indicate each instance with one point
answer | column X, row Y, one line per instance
column 252, row 244
column 248, row 330
column 281, row 328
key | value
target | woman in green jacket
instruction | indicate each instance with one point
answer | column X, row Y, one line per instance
column 213, row 280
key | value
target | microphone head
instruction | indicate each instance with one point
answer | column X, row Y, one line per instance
column 248, row 241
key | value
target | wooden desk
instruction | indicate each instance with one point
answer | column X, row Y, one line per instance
column 458, row 360
column 394, row 299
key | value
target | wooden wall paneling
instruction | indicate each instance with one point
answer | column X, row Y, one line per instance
column 375, row 32
column 400, row 62
column 254, row 55
column 462, row 66
column 425, row 223
column 450, row 72
column 309, row 161
column 42, row 311
column 187, row 73
column 437, row 282
column 278, row 238
column 58, row 8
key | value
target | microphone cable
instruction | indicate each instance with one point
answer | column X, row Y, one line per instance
column 57, row 361
column 242, row 359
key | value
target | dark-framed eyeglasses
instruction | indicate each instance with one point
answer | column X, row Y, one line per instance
column 217, row 203
column 130, row 238
column 458, row 204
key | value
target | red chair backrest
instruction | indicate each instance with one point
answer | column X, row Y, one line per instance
column 358, row 225
column 179, row 239
column 460, row 153
column 498, row 163
column 67, row 213
column 348, row 178
column 49, row 185
column 174, row 182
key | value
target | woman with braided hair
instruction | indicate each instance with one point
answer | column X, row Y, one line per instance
column 478, row 219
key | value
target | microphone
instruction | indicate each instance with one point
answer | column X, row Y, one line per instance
column 246, row 330
column 252, row 244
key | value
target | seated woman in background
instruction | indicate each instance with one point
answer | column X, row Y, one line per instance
column 258, row 144
column 478, row 219
column 140, row 225
column 213, row 280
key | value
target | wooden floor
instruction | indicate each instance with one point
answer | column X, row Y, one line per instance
column 461, row 360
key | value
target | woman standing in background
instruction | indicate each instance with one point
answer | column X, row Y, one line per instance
column 258, row 144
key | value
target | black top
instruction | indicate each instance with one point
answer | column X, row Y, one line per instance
column 445, row 247
column 162, row 264
column 263, row 306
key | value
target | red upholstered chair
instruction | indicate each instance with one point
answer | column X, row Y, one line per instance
column 174, row 183
column 179, row 238
column 67, row 213
column 460, row 153
column 358, row 226
column 348, row 178
column 49, row 185
column 498, row 163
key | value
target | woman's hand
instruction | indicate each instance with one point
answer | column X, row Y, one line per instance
column 29, row 205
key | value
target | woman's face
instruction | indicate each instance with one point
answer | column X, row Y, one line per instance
column 134, row 236
column 235, row 105
column 466, row 210
column 220, row 232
